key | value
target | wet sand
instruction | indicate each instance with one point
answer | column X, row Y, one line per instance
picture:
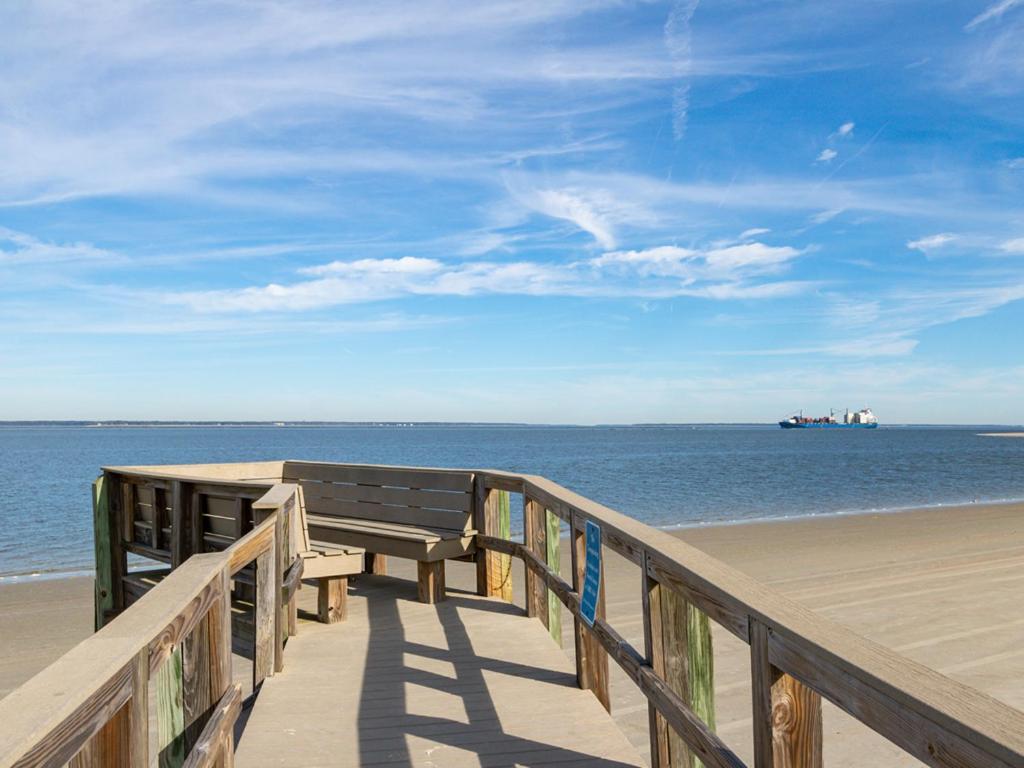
column 941, row 586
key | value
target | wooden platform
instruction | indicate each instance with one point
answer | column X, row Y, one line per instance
column 467, row 682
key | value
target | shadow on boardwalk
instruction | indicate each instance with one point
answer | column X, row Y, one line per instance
column 404, row 679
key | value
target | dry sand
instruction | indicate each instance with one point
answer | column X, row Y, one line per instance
column 941, row 586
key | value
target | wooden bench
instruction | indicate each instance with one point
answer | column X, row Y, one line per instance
column 424, row 515
column 330, row 564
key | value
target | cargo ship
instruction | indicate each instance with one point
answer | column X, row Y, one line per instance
column 862, row 419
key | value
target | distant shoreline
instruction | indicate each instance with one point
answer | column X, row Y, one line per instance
column 122, row 424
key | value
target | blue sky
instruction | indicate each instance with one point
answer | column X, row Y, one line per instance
column 512, row 211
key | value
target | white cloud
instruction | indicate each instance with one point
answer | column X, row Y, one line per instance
column 750, row 256
column 826, row 155
column 994, row 11
column 563, row 204
column 1015, row 164
column 753, row 232
column 18, row 248
column 844, row 130
column 931, row 242
column 655, row 273
column 823, row 217
column 1014, row 246
column 678, row 40
column 407, row 265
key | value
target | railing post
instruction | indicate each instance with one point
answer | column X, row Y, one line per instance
column 787, row 714
column 534, row 533
column 220, row 658
column 654, row 650
column 111, row 562
column 493, row 569
column 170, row 711
column 265, row 615
column 280, row 552
column 591, row 657
column 553, row 556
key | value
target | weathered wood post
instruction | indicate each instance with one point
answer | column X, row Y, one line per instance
column 677, row 640
column 492, row 515
column 123, row 741
column 787, row 714
column 540, row 534
column 534, row 533
column 265, row 616
column 170, row 711
column 591, row 657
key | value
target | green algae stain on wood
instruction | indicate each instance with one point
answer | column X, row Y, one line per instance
column 170, row 712
column 700, row 669
column 101, row 534
column 553, row 557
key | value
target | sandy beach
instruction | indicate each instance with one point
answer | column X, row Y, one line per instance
column 941, row 586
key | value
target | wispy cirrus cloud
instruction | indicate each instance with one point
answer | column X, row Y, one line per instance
column 932, row 242
column 19, row 248
column 993, row 12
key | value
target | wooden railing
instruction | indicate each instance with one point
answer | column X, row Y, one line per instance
column 91, row 707
column 796, row 656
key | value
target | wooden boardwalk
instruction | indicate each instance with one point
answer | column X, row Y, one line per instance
column 467, row 682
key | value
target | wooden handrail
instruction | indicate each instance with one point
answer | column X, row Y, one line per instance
column 934, row 718
column 65, row 713
column 100, row 685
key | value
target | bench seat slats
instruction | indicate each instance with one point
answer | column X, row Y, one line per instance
column 382, row 529
column 456, row 501
column 434, row 479
column 429, row 518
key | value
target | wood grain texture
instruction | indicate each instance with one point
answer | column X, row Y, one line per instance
column 796, row 725
column 215, row 739
column 499, row 565
column 331, row 599
column 102, row 539
column 553, row 557
column 430, row 587
column 534, row 535
column 761, row 680
column 170, row 712
column 265, row 620
column 700, row 669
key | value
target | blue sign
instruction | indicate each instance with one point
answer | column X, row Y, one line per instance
column 591, row 574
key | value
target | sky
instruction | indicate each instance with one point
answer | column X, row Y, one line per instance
column 568, row 212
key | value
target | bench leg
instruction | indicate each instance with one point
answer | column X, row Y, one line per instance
column 375, row 563
column 430, row 581
column 331, row 604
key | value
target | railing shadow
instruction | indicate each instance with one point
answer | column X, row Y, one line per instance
column 386, row 726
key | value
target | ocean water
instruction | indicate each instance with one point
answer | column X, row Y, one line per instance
column 664, row 475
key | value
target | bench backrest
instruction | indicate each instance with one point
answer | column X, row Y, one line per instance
column 427, row 498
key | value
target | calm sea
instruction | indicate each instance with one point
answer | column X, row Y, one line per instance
column 664, row 475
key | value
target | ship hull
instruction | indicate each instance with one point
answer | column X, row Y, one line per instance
column 812, row 425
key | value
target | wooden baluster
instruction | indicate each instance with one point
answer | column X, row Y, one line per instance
column 170, row 711
column 123, row 741
column 654, row 650
column 591, row 657
column 787, row 714
column 553, row 556
column 494, row 569
column 280, row 552
column 265, row 616
column 220, row 660
column 197, row 698
column 534, row 533
column 104, row 535
column 181, row 526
